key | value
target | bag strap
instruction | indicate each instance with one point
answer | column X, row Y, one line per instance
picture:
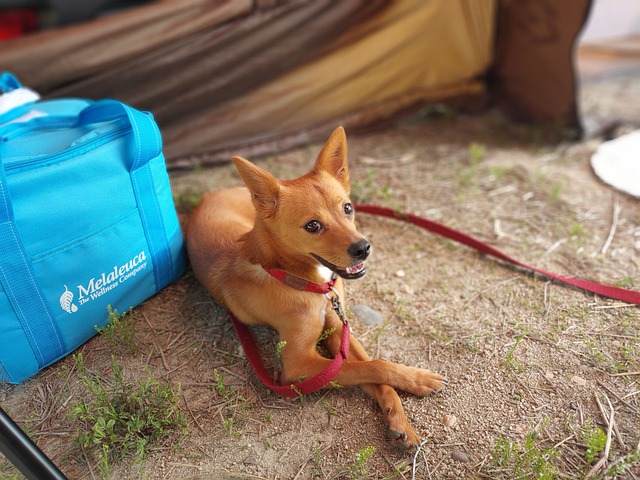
column 146, row 145
column 22, row 286
column 629, row 296
column 147, row 142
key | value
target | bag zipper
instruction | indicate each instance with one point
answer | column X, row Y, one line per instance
column 70, row 152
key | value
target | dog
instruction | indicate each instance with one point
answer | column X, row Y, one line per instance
column 304, row 227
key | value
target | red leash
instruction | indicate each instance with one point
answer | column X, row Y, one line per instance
column 305, row 387
column 628, row 296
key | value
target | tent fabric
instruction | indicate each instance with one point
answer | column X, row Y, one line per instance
column 253, row 77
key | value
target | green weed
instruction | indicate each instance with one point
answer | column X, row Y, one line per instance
column 8, row 471
column 510, row 359
column 229, row 428
column 526, row 461
column 235, row 404
column 577, row 229
column 325, row 334
column 331, row 410
column 617, row 468
column 359, row 469
column 281, row 344
column 595, row 439
column 120, row 330
column 626, row 282
column 187, row 201
column 119, row 419
column 477, row 151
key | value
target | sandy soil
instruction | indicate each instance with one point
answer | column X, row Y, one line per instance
column 529, row 361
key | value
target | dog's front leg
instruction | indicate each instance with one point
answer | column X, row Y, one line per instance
column 398, row 427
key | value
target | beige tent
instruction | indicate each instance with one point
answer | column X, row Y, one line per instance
column 249, row 77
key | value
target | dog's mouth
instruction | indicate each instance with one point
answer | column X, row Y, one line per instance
column 350, row 273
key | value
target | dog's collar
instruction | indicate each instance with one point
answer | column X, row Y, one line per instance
column 300, row 283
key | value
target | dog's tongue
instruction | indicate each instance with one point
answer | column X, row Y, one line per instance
column 355, row 268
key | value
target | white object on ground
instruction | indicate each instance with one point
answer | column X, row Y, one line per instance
column 617, row 162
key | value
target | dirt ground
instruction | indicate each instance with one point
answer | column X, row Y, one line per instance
column 529, row 361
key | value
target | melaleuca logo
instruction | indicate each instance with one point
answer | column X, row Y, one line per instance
column 66, row 301
column 97, row 286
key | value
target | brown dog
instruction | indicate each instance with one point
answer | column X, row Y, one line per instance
column 306, row 228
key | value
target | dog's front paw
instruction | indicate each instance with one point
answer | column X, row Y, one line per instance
column 400, row 432
column 426, row 383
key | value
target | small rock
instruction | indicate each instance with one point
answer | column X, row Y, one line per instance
column 401, row 274
column 251, row 460
column 459, row 456
column 449, row 420
column 548, row 375
column 579, row 381
column 367, row 315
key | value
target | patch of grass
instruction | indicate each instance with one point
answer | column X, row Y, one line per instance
column 630, row 352
column 234, row 404
column 317, row 450
column 577, row 230
column 331, row 410
column 554, row 187
column 468, row 173
column 230, row 429
column 359, row 469
column 369, row 190
column 187, row 201
column 119, row 419
column 626, row 282
column 120, row 330
column 556, row 190
column 8, row 471
column 279, row 347
column 595, row 352
column 509, row 360
column 362, row 191
column 529, row 460
column 595, row 440
column 477, row 152
column 219, row 385
column 498, row 173
column 474, row 344
column 622, row 465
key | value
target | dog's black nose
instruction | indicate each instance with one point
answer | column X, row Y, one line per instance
column 360, row 250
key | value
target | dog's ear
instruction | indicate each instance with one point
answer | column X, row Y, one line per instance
column 333, row 158
column 264, row 187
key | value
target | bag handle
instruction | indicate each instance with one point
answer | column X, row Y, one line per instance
column 147, row 142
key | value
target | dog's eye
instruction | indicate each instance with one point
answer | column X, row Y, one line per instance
column 314, row 226
column 348, row 209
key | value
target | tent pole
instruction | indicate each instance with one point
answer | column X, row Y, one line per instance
column 24, row 454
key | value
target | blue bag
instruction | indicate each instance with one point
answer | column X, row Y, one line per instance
column 87, row 220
